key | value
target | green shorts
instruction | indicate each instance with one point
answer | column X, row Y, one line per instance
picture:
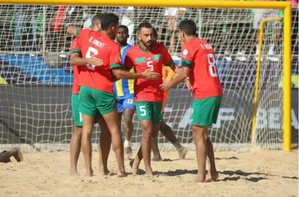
column 205, row 111
column 75, row 108
column 149, row 111
column 95, row 102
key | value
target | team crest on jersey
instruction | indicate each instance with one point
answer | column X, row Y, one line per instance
column 185, row 52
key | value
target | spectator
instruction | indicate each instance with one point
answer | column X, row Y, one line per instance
column 261, row 14
column 25, row 19
column 172, row 15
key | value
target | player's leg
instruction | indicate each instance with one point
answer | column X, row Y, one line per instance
column 205, row 112
column 105, row 145
column 156, row 121
column 75, row 144
column 111, row 119
column 212, row 172
column 155, row 150
column 128, row 113
column 144, row 112
column 75, row 147
column 198, row 134
column 107, row 106
column 88, row 122
column 88, row 111
column 168, row 133
column 147, row 129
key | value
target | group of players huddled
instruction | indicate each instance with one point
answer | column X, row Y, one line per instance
column 113, row 78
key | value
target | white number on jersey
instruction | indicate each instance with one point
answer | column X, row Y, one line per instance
column 150, row 65
column 212, row 65
column 91, row 51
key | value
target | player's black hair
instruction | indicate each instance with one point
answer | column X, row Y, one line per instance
column 108, row 20
column 141, row 25
column 96, row 18
column 189, row 27
column 125, row 27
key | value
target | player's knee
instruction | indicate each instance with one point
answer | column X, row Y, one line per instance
column 78, row 131
column 127, row 120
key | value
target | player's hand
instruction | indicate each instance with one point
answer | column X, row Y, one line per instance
column 150, row 75
column 94, row 61
column 165, row 86
column 188, row 84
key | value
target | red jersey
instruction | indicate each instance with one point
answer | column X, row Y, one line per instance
column 141, row 60
column 75, row 48
column 204, row 78
column 100, row 45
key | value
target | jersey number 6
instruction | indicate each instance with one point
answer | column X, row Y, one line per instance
column 91, row 51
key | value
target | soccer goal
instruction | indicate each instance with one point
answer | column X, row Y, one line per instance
column 36, row 77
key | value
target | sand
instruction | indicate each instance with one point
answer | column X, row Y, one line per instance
column 257, row 173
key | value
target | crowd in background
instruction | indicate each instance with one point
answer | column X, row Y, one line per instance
column 37, row 29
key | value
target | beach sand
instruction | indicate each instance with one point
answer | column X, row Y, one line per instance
column 256, row 173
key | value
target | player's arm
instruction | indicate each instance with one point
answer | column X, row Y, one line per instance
column 182, row 75
column 119, row 73
column 73, row 30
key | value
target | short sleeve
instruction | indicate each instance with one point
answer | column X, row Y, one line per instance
column 75, row 46
column 187, row 56
column 115, row 57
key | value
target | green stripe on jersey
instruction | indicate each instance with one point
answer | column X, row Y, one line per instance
column 115, row 66
column 170, row 63
column 187, row 62
column 75, row 51
column 140, row 60
column 156, row 57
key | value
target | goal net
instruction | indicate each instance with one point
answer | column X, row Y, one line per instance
column 36, row 76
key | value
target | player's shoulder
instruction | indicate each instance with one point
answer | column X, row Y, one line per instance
column 129, row 46
column 75, row 40
column 84, row 30
column 159, row 47
column 133, row 49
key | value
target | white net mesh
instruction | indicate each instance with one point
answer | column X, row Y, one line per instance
column 36, row 77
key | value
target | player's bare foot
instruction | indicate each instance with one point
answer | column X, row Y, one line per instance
column 106, row 172
column 149, row 172
column 128, row 151
column 210, row 177
column 73, row 173
column 134, row 167
column 89, row 173
column 200, row 179
column 121, row 174
column 157, row 158
column 16, row 152
column 182, row 153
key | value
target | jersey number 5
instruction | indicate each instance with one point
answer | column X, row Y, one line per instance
column 212, row 65
column 91, row 51
column 150, row 65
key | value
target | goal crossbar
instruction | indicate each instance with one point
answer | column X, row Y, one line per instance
column 285, row 6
